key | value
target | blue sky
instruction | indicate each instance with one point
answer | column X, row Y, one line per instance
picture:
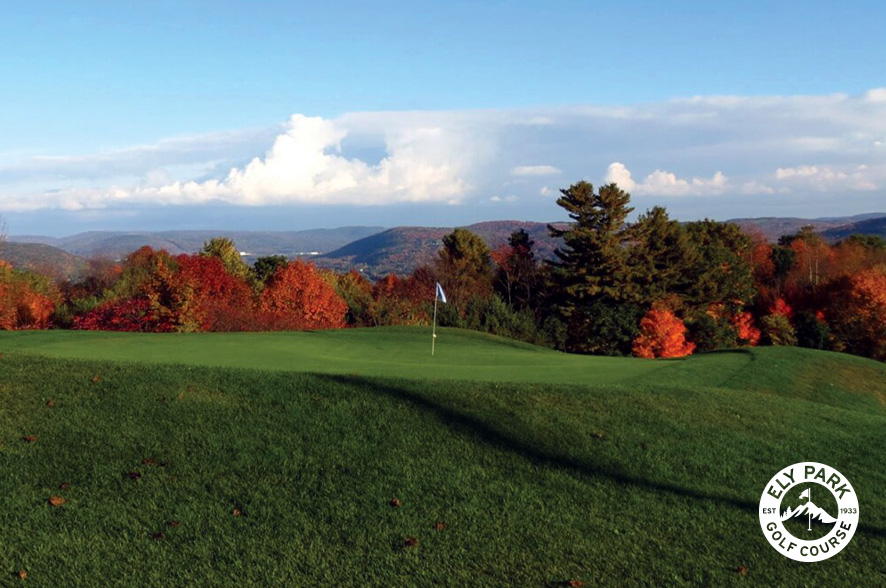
column 284, row 115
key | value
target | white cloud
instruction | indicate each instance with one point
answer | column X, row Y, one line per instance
column 619, row 174
column 510, row 198
column 534, row 170
column 761, row 145
column 304, row 165
column 664, row 183
column 829, row 178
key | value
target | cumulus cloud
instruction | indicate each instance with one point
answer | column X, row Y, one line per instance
column 304, row 165
column 534, row 170
column 664, row 183
column 700, row 147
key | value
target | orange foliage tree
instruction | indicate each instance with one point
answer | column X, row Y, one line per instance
column 857, row 313
column 662, row 335
column 745, row 330
column 298, row 297
column 22, row 305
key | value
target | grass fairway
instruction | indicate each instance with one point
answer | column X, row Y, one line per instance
column 541, row 467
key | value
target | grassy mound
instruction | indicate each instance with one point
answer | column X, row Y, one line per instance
column 623, row 472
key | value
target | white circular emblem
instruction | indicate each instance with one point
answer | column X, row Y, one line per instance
column 809, row 511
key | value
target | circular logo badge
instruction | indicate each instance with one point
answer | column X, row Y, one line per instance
column 809, row 511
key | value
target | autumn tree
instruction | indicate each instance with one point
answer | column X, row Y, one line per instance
column 27, row 301
column 856, row 313
column 661, row 335
column 298, row 297
column 519, row 279
column 209, row 298
column 356, row 291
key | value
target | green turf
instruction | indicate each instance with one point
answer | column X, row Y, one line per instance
column 403, row 352
column 650, row 476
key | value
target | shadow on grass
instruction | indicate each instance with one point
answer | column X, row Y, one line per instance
column 500, row 440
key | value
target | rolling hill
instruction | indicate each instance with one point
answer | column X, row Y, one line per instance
column 256, row 243
column 402, row 249
column 354, row 458
column 833, row 228
column 872, row 226
column 44, row 259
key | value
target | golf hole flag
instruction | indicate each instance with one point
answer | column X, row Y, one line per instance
column 441, row 296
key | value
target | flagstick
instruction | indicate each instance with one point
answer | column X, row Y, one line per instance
column 434, row 335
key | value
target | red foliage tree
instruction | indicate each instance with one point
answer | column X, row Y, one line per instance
column 662, row 335
column 780, row 307
column 208, row 298
column 134, row 315
column 298, row 297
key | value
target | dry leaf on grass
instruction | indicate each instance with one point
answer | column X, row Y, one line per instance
column 174, row 523
column 30, row 438
column 237, row 512
column 410, row 542
column 439, row 526
column 50, row 403
column 395, row 502
column 56, row 500
column 23, row 574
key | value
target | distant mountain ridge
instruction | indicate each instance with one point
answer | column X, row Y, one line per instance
column 832, row 228
column 116, row 244
column 375, row 251
column 402, row 249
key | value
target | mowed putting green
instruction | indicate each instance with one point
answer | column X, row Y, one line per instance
column 397, row 351
column 510, row 465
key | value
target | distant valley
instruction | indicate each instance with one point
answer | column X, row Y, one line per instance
column 374, row 251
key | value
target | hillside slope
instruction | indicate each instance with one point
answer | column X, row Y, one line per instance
column 43, row 258
column 402, row 249
column 204, row 475
column 257, row 243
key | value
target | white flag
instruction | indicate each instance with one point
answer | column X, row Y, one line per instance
column 440, row 294
column 805, row 494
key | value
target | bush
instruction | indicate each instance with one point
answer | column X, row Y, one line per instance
column 661, row 335
column 603, row 328
column 777, row 330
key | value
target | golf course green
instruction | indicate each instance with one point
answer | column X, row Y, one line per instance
column 354, row 458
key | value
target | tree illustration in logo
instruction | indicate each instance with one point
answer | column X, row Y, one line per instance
column 809, row 511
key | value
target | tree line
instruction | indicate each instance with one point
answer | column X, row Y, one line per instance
column 653, row 287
